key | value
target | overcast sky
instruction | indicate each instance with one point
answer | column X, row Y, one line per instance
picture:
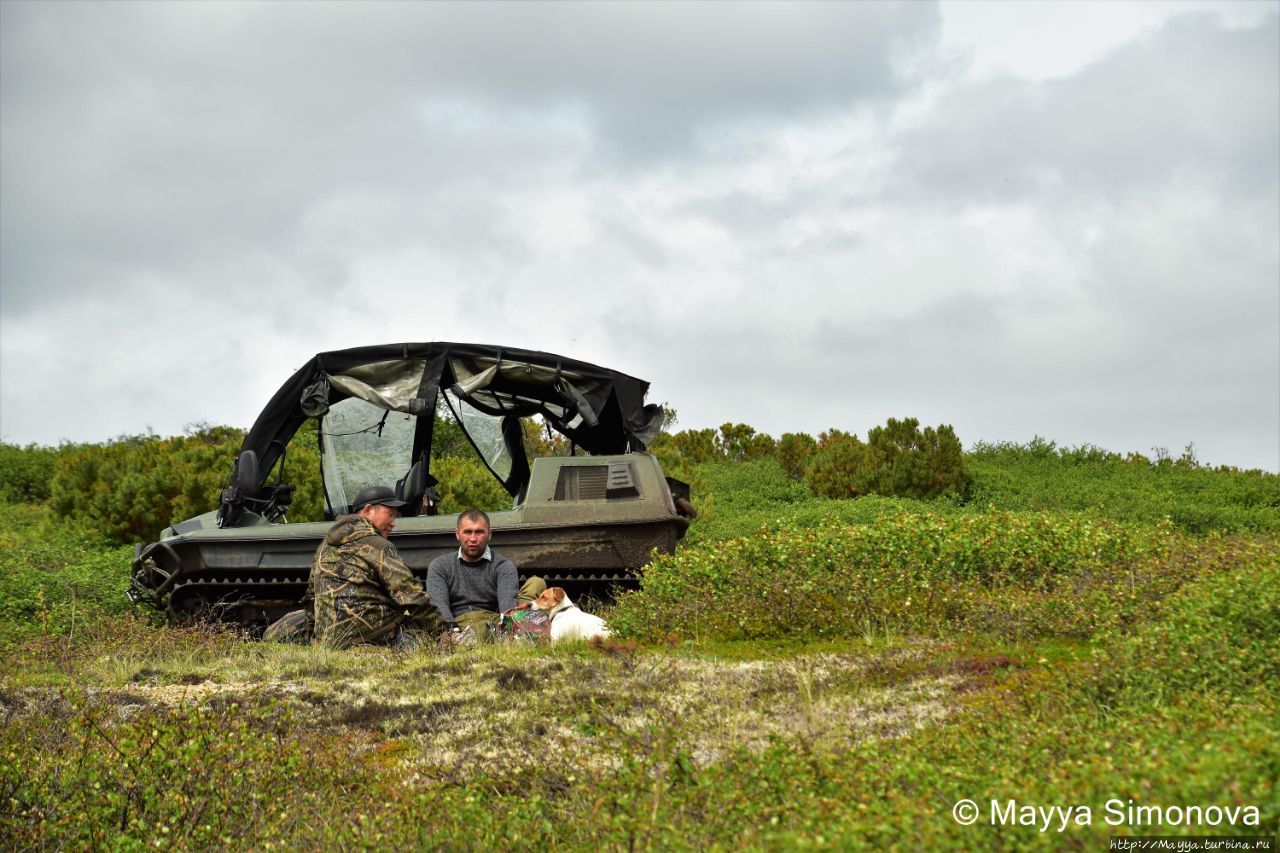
column 1019, row 219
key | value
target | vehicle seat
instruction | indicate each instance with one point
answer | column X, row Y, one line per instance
column 414, row 487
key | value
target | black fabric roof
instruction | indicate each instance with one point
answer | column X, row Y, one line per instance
column 606, row 409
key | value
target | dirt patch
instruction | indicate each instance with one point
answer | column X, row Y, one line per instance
column 399, row 720
column 510, row 678
column 979, row 673
column 982, row 666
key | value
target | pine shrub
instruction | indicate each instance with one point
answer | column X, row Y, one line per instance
column 898, row 459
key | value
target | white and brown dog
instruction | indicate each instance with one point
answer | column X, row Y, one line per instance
column 567, row 621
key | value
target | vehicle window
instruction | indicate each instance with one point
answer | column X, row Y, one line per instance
column 485, row 431
column 363, row 445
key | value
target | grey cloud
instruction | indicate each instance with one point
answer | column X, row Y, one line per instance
column 1191, row 96
column 341, row 174
column 149, row 135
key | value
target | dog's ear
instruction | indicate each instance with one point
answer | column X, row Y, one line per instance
column 555, row 593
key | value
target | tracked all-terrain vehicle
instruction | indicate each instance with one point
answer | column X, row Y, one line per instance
column 588, row 522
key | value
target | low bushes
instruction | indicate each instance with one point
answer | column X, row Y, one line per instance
column 53, row 578
column 251, row 770
column 1041, row 476
column 1176, row 706
column 85, row 777
column 898, row 459
column 1224, row 638
column 26, row 472
column 1016, row 574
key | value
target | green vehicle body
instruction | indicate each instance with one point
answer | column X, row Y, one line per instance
column 588, row 523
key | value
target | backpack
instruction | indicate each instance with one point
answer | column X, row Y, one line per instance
column 523, row 624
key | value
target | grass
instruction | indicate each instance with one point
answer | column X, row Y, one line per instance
column 578, row 747
column 1045, row 655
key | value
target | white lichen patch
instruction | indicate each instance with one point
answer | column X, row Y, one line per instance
column 473, row 710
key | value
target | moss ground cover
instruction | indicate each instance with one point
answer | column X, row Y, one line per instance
column 864, row 749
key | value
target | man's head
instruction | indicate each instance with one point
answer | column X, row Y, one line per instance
column 473, row 534
column 378, row 505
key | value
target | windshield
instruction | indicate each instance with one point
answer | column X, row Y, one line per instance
column 363, row 445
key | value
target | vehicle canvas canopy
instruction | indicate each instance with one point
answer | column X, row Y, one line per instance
column 377, row 407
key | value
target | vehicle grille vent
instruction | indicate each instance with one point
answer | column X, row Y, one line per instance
column 597, row 482
column 582, row 483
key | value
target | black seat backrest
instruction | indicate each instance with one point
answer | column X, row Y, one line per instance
column 411, row 489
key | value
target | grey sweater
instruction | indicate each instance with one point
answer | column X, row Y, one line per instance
column 456, row 586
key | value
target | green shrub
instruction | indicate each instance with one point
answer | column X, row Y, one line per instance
column 302, row 469
column 1015, row 574
column 26, row 472
column 740, row 442
column 897, row 459
column 1041, row 476
column 88, row 777
column 794, row 450
column 687, row 447
column 52, row 579
column 466, row 483
column 1178, row 708
column 129, row 489
column 1222, row 634
column 841, row 466
column 732, row 442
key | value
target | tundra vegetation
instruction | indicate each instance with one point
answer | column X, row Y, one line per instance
column 856, row 634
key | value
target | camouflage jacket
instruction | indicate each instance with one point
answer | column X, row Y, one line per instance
column 360, row 588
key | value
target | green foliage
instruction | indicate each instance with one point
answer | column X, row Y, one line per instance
column 1224, row 635
column 1015, row 574
column 52, row 579
column 841, row 466
column 190, row 777
column 897, row 459
column 447, row 438
column 1176, row 705
column 26, row 472
column 732, row 443
column 739, row 443
column 541, row 440
column 736, row 497
column 1041, row 476
column 131, row 488
column 302, row 469
column 466, row 483
column 794, row 451
column 687, row 447
column 119, row 770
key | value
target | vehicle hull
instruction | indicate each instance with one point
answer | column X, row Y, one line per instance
column 254, row 574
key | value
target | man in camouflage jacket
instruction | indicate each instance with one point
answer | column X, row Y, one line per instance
column 362, row 591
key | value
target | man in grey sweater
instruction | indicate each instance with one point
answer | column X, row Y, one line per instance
column 474, row 586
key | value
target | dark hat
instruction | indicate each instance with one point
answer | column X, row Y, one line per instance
column 375, row 495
